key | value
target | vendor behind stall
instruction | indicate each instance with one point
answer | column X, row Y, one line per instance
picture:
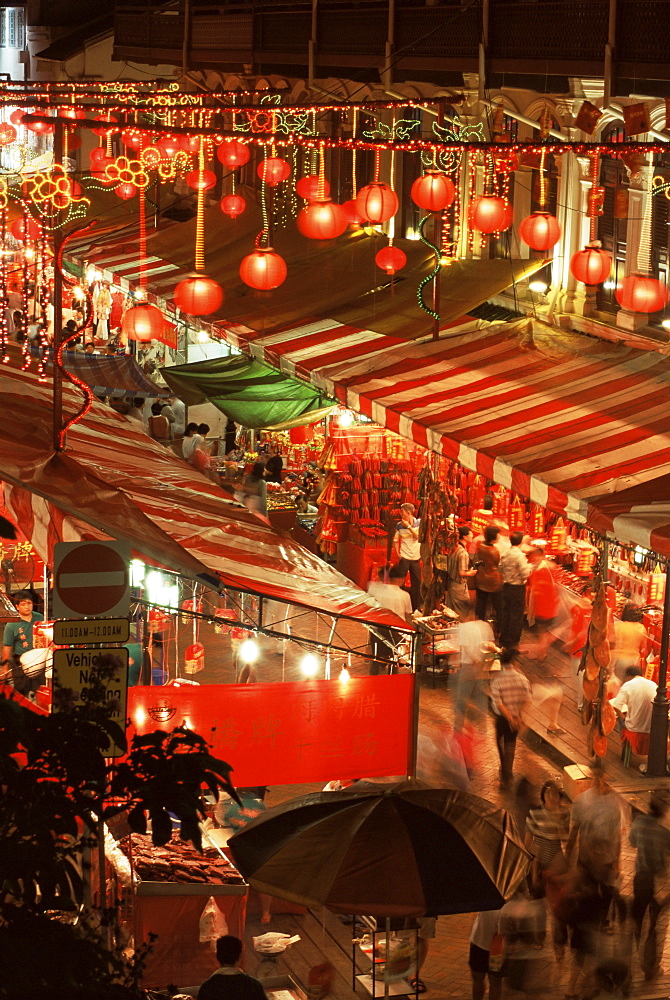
column 18, row 639
column 273, row 465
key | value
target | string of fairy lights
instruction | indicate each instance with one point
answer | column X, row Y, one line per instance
column 150, row 134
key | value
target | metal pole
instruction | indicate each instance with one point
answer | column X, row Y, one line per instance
column 657, row 763
column 437, row 240
column 58, row 313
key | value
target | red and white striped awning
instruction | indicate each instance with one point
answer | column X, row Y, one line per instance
column 579, row 425
column 114, row 481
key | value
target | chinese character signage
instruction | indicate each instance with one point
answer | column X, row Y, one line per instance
column 280, row 734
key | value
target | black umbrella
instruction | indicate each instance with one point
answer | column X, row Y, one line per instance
column 391, row 850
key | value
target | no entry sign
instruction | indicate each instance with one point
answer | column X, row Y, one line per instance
column 91, row 579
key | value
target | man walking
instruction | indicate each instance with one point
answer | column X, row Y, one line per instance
column 515, row 570
column 633, row 704
column 409, row 550
column 510, row 694
column 651, row 839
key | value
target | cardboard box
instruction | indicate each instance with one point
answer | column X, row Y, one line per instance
column 576, row 779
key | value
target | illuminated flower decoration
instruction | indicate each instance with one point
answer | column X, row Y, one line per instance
column 52, row 187
column 125, row 171
column 4, row 200
column 169, row 168
column 7, row 134
column 151, row 157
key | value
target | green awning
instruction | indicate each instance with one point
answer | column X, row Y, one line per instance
column 247, row 391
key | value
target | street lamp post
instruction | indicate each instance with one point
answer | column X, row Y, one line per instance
column 657, row 764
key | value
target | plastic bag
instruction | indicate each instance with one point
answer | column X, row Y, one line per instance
column 212, row 923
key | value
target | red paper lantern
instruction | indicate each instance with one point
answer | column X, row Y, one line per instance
column 99, row 170
column 434, row 191
column 143, row 322
column 73, row 141
column 263, row 269
column 233, row 153
column 25, row 229
column 189, row 143
column 490, row 214
column 198, row 295
column 169, row 145
column 7, row 133
column 377, row 202
column 641, row 293
column 125, row 191
column 105, row 130
column 98, row 154
column 233, row 205
column 354, row 217
column 308, row 188
column 302, row 434
column 274, row 170
column 592, row 265
column 131, row 137
column 16, row 117
column 322, row 220
column 540, row 231
column 40, row 128
column 201, row 179
column 77, row 114
column 390, row 259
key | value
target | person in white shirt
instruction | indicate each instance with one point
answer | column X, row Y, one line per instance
column 515, row 570
column 633, row 704
column 407, row 546
column 387, row 590
column 179, row 411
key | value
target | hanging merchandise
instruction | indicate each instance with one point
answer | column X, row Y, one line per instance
column 194, row 658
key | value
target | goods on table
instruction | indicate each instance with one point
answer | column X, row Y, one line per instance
column 177, row 862
column 436, row 624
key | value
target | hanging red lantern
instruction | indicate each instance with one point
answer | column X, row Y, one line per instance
column 434, row 191
column 198, row 295
column 490, row 214
column 25, row 229
column 300, row 435
column 377, row 202
column 169, row 145
column 322, row 220
column 143, row 322
column 390, row 259
column 189, row 143
column 540, row 231
column 7, row 133
column 201, row 179
column 308, row 188
column 16, row 117
column 131, row 138
column 232, row 205
column 73, row 141
column 354, row 217
column 263, row 269
column 40, row 128
column 125, row 191
column 97, row 154
column 592, row 265
column 77, row 114
column 100, row 168
column 233, row 153
column 642, row 293
column 105, row 130
column 274, row 170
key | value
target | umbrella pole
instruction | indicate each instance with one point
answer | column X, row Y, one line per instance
column 387, row 983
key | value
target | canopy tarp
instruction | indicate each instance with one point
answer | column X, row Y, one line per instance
column 112, row 376
column 579, row 425
column 114, row 481
column 249, row 392
column 335, row 278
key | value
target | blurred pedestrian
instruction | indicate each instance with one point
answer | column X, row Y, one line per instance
column 596, row 821
column 486, row 954
column 510, row 695
column 488, row 581
column 651, row 839
column 476, row 644
column 547, row 830
column 408, row 549
column 633, row 704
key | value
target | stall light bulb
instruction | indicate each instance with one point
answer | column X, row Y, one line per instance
column 666, row 324
column 77, row 292
column 137, row 571
column 91, row 275
column 140, row 718
column 249, row 651
column 346, row 418
column 345, row 676
column 411, row 234
column 203, row 337
column 538, row 286
column 309, row 665
column 139, row 293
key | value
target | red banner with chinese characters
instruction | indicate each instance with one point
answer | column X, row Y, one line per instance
column 293, row 733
